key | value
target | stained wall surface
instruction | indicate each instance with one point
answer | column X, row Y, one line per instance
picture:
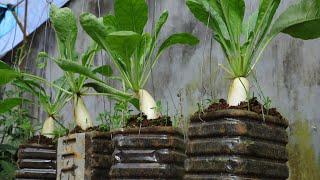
column 289, row 72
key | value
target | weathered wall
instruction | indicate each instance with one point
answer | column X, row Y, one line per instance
column 289, row 72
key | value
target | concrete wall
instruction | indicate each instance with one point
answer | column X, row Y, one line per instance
column 289, row 72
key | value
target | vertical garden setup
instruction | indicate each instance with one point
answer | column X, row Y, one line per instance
column 147, row 146
column 241, row 138
column 85, row 153
column 103, row 114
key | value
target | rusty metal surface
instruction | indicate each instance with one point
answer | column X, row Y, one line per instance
column 84, row 156
column 148, row 153
column 36, row 162
column 226, row 147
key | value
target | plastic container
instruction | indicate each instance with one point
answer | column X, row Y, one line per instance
column 36, row 161
column 236, row 144
column 148, row 153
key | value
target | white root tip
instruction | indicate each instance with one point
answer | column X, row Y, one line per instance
column 148, row 105
column 48, row 127
column 81, row 114
column 239, row 89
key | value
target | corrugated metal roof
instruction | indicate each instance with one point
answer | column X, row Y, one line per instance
column 38, row 12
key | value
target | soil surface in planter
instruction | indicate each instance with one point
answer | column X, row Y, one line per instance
column 40, row 139
column 78, row 129
column 135, row 121
column 141, row 120
column 253, row 105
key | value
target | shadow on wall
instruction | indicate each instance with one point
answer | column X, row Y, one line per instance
column 303, row 163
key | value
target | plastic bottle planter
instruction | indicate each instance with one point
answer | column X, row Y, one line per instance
column 36, row 161
column 84, row 156
column 236, row 144
column 148, row 153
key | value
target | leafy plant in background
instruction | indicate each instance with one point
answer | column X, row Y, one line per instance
column 244, row 40
column 33, row 84
column 15, row 128
column 52, row 105
column 132, row 50
column 65, row 26
column 15, row 122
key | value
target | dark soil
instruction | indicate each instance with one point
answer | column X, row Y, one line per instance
column 140, row 120
column 134, row 121
column 40, row 139
column 78, row 129
column 253, row 105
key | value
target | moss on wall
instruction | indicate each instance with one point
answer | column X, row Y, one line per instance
column 303, row 163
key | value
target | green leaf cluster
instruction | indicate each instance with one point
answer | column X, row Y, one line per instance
column 244, row 40
column 15, row 128
column 133, row 51
column 33, row 84
column 77, row 70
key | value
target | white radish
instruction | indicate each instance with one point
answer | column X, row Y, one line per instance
column 148, row 105
column 48, row 127
column 238, row 92
column 81, row 114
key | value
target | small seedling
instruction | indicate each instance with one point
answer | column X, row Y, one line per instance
column 59, row 132
column 104, row 119
column 267, row 104
column 158, row 108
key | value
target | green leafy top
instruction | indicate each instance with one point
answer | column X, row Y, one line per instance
column 244, row 40
column 70, row 84
column 77, row 69
column 33, row 84
column 131, row 49
column 52, row 105
column 9, row 103
column 65, row 25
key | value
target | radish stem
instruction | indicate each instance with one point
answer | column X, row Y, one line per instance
column 148, row 105
column 238, row 91
column 81, row 114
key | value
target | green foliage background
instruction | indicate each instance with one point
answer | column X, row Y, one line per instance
column 15, row 129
